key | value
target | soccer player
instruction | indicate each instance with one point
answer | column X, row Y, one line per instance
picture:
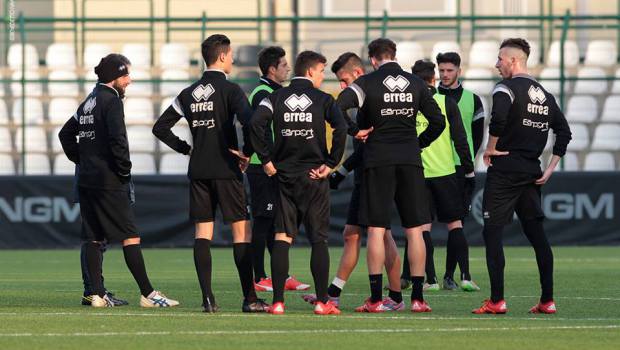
column 523, row 112
column 389, row 99
column 472, row 112
column 263, row 189
column 103, row 181
column 439, row 167
column 215, row 166
column 347, row 68
column 300, row 161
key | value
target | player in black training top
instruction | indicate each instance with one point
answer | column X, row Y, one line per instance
column 390, row 99
column 301, row 162
column 215, row 166
column 102, row 155
column 522, row 115
column 348, row 67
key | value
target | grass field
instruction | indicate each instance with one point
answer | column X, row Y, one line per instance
column 40, row 293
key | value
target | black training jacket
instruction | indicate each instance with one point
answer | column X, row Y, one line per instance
column 102, row 151
column 298, row 113
column 523, row 112
column 389, row 99
column 210, row 106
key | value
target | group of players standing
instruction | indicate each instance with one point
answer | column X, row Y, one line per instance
column 414, row 147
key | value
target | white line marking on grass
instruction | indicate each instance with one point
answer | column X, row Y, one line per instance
column 410, row 316
column 312, row 331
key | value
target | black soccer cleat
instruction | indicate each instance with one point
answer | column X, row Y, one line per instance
column 210, row 306
column 259, row 305
column 449, row 284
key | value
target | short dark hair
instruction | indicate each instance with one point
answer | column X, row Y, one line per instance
column 270, row 57
column 347, row 60
column 306, row 60
column 424, row 69
column 213, row 46
column 449, row 57
column 517, row 43
column 382, row 48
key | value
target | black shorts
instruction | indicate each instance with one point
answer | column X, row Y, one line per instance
column 467, row 195
column 353, row 214
column 302, row 200
column 206, row 195
column 263, row 190
column 445, row 198
column 507, row 193
column 106, row 215
column 401, row 184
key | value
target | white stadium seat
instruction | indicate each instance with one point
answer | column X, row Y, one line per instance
column 599, row 161
column 32, row 88
column 601, row 53
column 480, row 87
column 571, row 54
column 170, row 88
column 56, row 146
column 533, row 59
column 443, row 47
column 36, row 139
column 93, row 53
column 60, row 56
column 37, row 164
column 483, row 53
column 14, row 57
column 6, row 146
column 174, row 56
column 570, row 162
column 138, row 54
column 4, row 113
column 611, row 109
column 606, row 137
column 142, row 164
column 61, row 109
column 407, row 52
column 7, row 165
column 553, row 86
column 143, row 89
column 140, row 138
column 594, row 87
column 90, row 81
column 63, row 166
column 139, row 110
column 34, row 111
column 580, row 138
column 173, row 163
column 69, row 88
column 582, row 109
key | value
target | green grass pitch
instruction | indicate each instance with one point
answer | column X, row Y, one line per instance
column 40, row 293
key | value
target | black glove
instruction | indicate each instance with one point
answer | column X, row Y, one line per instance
column 335, row 179
column 469, row 188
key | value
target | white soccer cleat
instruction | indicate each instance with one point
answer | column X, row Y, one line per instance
column 98, row 301
column 157, row 299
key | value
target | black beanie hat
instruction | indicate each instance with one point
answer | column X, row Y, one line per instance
column 111, row 67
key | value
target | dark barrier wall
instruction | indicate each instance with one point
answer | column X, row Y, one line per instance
column 38, row 212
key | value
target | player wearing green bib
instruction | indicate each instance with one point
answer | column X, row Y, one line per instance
column 275, row 69
column 472, row 113
column 439, row 169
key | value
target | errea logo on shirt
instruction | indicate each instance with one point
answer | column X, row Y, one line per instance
column 89, row 105
column 398, row 83
column 201, row 94
column 295, row 102
column 537, row 96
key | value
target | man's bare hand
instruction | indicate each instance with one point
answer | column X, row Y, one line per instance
column 321, row 172
column 244, row 160
column 363, row 134
column 488, row 153
column 270, row 169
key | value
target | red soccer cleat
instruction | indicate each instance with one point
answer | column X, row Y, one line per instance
column 293, row 284
column 420, row 306
column 311, row 299
column 489, row 307
column 276, row 308
column 369, row 306
column 264, row 285
column 546, row 308
column 328, row 308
